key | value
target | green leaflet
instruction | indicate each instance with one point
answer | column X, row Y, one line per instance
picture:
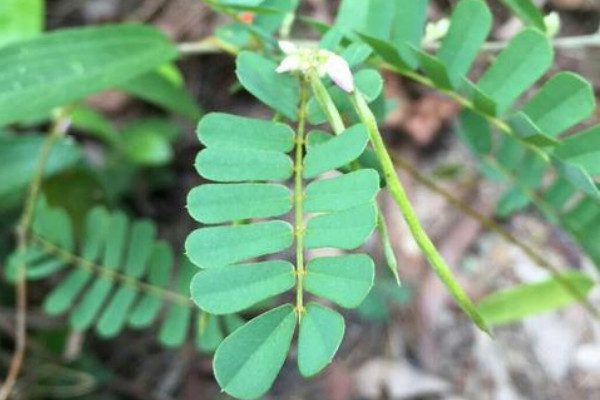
column 146, row 310
column 578, row 177
column 222, row 245
column 248, row 361
column 564, row 101
column 582, row 149
column 408, row 27
column 279, row 91
column 236, row 287
column 372, row 17
column 336, row 152
column 515, row 303
column 434, row 69
column 346, row 229
column 321, row 333
column 528, row 12
column 20, row 19
column 345, row 280
column 475, row 131
column 234, row 165
column 526, row 58
column 120, row 274
column 470, row 25
column 216, row 203
column 389, row 53
column 68, row 64
column 212, row 333
column 342, row 192
column 88, row 308
column 155, row 88
column 231, row 131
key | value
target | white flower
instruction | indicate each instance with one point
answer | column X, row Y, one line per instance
column 324, row 62
column 339, row 72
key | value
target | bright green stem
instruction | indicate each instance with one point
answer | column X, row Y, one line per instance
column 399, row 195
column 298, row 198
column 326, row 102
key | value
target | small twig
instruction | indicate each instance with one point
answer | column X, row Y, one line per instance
column 489, row 223
column 59, row 128
column 110, row 273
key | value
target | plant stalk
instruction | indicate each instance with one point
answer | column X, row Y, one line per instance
column 399, row 194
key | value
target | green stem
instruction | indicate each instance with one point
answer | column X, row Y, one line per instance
column 326, row 103
column 299, row 229
column 399, row 195
column 59, row 128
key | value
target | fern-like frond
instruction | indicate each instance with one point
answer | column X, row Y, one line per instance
column 120, row 275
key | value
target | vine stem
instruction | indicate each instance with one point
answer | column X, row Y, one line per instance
column 299, row 229
column 59, row 128
column 489, row 223
column 399, row 194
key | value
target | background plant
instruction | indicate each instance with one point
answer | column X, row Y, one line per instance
column 520, row 146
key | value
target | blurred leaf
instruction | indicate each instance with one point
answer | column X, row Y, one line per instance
column 518, row 302
column 158, row 89
column 65, row 65
column 470, row 25
column 527, row 11
column 526, row 58
column 91, row 121
column 562, row 102
column 582, row 149
column 20, row 19
column 408, row 27
column 145, row 144
column 371, row 17
column 20, row 157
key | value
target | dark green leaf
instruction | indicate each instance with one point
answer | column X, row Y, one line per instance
column 69, row 64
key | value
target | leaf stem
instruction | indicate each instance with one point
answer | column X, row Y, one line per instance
column 299, row 228
column 399, row 194
column 59, row 128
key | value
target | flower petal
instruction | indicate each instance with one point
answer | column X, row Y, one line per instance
column 289, row 64
column 339, row 71
column 288, row 47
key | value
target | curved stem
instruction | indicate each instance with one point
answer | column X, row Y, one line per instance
column 399, row 194
column 299, row 229
column 59, row 128
column 489, row 223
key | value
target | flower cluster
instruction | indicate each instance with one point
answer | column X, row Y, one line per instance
column 324, row 62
